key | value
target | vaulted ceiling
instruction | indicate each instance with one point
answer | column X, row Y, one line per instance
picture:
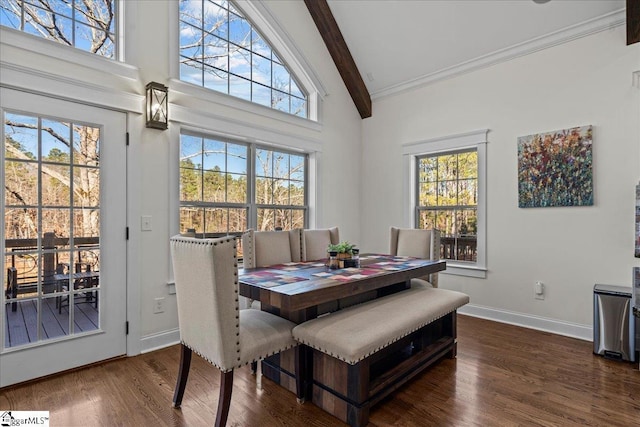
column 383, row 47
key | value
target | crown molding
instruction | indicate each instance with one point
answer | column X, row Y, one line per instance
column 574, row 32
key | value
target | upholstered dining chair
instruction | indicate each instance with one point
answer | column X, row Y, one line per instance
column 211, row 324
column 417, row 243
column 263, row 248
column 316, row 241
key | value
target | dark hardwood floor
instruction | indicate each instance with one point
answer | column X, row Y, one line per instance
column 503, row 376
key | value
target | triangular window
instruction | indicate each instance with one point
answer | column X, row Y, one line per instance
column 220, row 49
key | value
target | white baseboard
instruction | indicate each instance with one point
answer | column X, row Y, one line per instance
column 573, row 330
column 584, row 332
column 160, row 340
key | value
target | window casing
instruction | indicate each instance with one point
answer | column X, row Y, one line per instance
column 69, row 22
column 455, row 214
column 220, row 49
column 228, row 186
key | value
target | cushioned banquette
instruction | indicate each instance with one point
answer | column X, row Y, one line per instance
column 364, row 352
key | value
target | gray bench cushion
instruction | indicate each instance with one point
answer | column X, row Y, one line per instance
column 357, row 332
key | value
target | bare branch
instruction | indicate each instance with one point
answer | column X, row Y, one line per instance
column 49, row 130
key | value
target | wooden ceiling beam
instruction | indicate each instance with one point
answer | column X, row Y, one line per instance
column 633, row 21
column 332, row 36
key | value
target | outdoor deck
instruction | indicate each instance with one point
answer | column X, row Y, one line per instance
column 21, row 325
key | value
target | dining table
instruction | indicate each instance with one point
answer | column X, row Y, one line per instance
column 300, row 291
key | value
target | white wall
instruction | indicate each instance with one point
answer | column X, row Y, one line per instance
column 153, row 154
column 339, row 138
column 587, row 81
column 583, row 82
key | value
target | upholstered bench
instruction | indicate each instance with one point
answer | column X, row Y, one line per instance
column 364, row 352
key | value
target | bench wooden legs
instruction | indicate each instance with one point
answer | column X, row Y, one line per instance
column 349, row 391
column 304, row 374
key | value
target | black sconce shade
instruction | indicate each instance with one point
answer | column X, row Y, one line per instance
column 157, row 106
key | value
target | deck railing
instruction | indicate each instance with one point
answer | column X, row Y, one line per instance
column 460, row 248
column 23, row 268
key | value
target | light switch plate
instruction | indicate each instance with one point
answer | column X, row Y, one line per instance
column 145, row 223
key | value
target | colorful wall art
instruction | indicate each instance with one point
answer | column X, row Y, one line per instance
column 556, row 168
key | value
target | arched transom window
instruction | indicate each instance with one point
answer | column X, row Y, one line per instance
column 221, row 50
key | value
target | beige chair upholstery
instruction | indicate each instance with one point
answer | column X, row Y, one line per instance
column 417, row 243
column 263, row 248
column 315, row 242
column 211, row 324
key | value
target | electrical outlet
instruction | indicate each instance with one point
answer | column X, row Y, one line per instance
column 538, row 290
column 158, row 305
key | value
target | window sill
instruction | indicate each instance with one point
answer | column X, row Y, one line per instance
column 208, row 95
column 71, row 55
column 468, row 270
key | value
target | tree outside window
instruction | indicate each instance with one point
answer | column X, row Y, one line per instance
column 220, row 194
column 89, row 25
column 221, row 50
column 447, row 200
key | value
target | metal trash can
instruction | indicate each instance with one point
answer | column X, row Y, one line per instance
column 613, row 323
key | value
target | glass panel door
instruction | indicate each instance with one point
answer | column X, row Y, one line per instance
column 52, row 228
column 56, row 246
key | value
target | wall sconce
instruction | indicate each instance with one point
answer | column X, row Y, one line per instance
column 157, row 106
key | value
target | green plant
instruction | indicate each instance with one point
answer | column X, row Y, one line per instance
column 341, row 248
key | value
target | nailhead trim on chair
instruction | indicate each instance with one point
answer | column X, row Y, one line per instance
column 188, row 240
column 249, row 262
column 195, row 350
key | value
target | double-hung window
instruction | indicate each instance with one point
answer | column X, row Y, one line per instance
column 228, row 186
column 280, row 193
column 447, row 187
column 447, row 200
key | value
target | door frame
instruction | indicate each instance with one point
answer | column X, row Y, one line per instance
column 112, row 327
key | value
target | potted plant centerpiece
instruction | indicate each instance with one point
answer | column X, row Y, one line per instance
column 343, row 250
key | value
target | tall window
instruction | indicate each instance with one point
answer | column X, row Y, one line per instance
column 221, row 50
column 88, row 25
column 280, row 190
column 213, row 185
column 51, row 226
column 448, row 201
column 221, row 194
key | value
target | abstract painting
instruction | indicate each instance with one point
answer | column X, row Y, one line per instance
column 556, row 168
